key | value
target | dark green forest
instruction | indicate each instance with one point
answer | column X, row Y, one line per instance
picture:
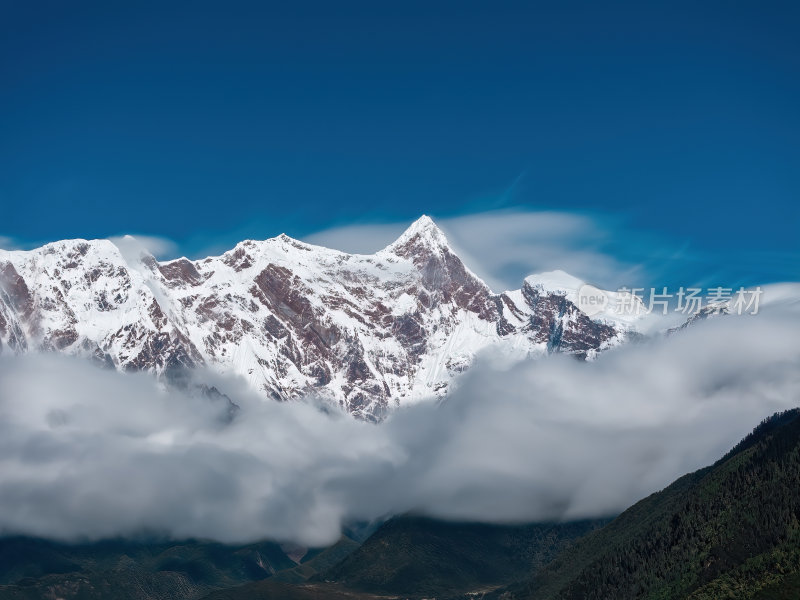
column 731, row 530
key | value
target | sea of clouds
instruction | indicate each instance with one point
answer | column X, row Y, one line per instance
column 87, row 453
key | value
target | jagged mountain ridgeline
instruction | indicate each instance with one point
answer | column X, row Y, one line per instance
column 370, row 332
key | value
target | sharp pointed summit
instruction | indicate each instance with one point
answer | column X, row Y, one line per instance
column 422, row 233
column 422, row 224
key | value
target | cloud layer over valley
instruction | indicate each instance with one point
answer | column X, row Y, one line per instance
column 89, row 453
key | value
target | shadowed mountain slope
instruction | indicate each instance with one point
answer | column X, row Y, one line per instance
column 731, row 530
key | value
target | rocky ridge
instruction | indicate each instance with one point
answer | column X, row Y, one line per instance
column 369, row 332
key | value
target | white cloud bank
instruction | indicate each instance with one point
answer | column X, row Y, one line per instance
column 87, row 454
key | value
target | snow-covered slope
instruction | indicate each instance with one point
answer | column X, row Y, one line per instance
column 368, row 331
column 558, row 282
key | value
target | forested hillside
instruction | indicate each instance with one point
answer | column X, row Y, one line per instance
column 731, row 530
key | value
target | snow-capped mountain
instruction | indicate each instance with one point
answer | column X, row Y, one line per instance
column 368, row 331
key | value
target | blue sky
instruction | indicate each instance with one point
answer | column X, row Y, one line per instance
column 207, row 122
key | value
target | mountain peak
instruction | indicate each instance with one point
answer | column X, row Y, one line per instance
column 423, row 222
column 421, row 233
column 554, row 281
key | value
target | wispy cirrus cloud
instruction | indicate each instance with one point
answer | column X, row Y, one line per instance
column 158, row 246
column 504, row 246
column 131, row 246
column 7, row 243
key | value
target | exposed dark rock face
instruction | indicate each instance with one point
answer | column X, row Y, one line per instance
column 562, row 326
